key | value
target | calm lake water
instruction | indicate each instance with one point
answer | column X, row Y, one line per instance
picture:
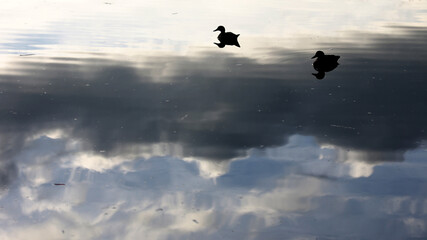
column 123, row 120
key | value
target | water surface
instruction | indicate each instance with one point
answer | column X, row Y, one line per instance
column 122, row 120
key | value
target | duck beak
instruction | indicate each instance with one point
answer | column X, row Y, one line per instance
column 313, row 56
column 215, row 30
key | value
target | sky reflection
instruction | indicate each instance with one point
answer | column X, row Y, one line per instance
column 217, row 106
column 158, row 135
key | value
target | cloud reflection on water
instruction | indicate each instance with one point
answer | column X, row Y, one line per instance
column 160, row 197
column 216, row 106
column 115, row 131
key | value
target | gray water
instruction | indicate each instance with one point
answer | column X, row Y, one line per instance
column 123, row 120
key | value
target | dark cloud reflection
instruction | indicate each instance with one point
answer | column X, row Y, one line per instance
column 217, row 106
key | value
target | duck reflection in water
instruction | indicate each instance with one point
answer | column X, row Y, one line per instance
column 324, row 63
column 226, row 38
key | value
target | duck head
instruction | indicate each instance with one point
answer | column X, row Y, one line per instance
column 319, row 54
column 220, row 28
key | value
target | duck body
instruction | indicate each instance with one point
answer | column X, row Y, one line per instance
column 324, row 63
column 226, row 38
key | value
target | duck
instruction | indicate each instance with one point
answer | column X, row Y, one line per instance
column 226, row 38
column 324, row 63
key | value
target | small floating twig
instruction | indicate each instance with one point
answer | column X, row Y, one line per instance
column 340, row 126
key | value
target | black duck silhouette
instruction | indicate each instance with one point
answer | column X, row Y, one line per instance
column 324, row 63
column 226, row 38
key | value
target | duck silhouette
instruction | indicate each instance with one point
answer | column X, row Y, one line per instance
column 226, row 38
column 324, row 63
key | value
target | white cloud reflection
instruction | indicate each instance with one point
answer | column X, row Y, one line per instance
column 154, row 191
column 326, row 161
column 95, row 25
column 160, row 197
